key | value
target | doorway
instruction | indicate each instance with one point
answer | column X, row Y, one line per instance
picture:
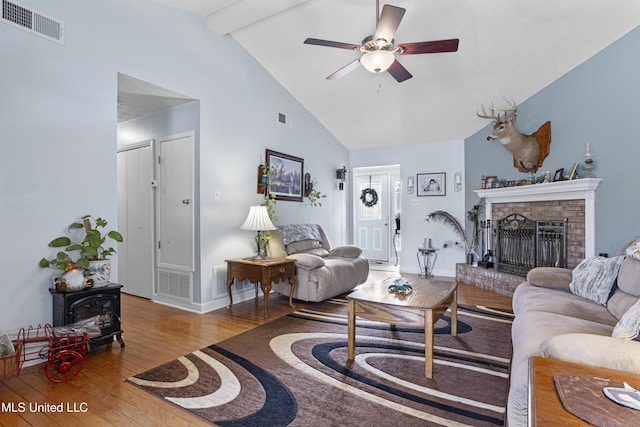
column 157, row 192
column 376, row 204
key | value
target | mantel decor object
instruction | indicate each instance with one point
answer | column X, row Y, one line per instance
column 588, row 165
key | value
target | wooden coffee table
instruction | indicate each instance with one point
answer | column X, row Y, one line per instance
column 423, row 307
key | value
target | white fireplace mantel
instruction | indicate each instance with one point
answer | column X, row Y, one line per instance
column 579, row 189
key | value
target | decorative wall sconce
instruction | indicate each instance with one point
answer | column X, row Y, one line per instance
column 341, row 176
column 410, row 185
column 457, row 181
column 308, row 184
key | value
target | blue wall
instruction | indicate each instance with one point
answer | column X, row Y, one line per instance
column 59, row 135
column 598, row 102
column 447, row 157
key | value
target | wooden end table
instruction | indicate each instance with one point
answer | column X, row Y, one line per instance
column 423, row 307
column 263, row 271
column 545, row 406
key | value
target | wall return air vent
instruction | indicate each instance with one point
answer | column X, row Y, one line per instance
column 32, row 22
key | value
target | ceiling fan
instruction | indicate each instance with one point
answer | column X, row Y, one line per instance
column 379, row 49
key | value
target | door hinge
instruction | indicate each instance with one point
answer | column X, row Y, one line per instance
column 159, row 159
column 158, row 244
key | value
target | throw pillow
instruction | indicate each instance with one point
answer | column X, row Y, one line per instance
column 628, row 327
column 313, row 247
column 628, row 277
column 275, row 247
column 594, row 277
column 298, row 232
column 550, row 277
column 346, row 251
column 633, row 251
column 623, row 248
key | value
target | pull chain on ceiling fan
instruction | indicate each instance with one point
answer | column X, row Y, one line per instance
column 379, row 50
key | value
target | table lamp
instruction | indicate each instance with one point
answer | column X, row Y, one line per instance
column 258, row 220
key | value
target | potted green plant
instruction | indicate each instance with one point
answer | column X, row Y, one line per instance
column 314, row 196
column 268, row 178
column 93, row 256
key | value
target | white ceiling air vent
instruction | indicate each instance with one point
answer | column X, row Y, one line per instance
column 32, row 22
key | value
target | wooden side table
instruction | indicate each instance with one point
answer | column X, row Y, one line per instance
column 263, row 271
column 545, row 407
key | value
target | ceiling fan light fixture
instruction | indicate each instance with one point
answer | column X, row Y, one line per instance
column 377, row 61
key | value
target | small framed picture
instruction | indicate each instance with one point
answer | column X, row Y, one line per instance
column 491, row 179
column 572, row 176
column 559, row 175
column 431, row 184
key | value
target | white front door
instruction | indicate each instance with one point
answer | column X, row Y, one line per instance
column 175, row 215
column 372, row 215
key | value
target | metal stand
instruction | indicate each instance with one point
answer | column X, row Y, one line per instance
column 429, row 257
column 396, row 236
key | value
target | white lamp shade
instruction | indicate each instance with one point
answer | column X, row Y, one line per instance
column 377, row 61
column 258, row 219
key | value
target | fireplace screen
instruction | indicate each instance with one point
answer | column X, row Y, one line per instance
column 522, row 244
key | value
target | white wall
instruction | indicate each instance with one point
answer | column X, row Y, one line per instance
column 59, row 133
column 445, row 157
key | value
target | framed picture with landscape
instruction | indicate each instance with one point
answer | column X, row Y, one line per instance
column 286, row 180
column 431, row 184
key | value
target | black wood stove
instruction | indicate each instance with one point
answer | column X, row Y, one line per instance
column 103, row 301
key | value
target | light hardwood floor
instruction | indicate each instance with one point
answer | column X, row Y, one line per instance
column 153, row 334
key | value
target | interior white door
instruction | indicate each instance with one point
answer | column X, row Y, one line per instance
column 135, row 219
column 175, row 205
column 372, row 222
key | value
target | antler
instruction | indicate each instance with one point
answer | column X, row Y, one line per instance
column 491, row 116
column 508, row 111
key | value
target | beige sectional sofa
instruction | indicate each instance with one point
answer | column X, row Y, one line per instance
column 552, row 320
column 322, row 272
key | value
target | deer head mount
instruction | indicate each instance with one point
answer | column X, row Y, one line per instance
column 529, row 151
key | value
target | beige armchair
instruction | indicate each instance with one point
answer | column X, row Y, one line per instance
column 321, row 272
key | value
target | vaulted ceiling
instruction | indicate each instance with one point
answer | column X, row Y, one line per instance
column 508, row 49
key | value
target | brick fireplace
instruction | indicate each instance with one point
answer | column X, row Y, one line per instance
column 573, row 201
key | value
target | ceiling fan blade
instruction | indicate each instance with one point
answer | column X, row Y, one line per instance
column 328, row 43
column 398, row 72
column 344, row 70
column 388, row 23
column 436, row 46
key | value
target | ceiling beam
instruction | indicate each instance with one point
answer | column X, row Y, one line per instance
column 241, row 13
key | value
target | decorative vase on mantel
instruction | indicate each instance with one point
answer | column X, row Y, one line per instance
column 100, row 271
column 469, row 259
